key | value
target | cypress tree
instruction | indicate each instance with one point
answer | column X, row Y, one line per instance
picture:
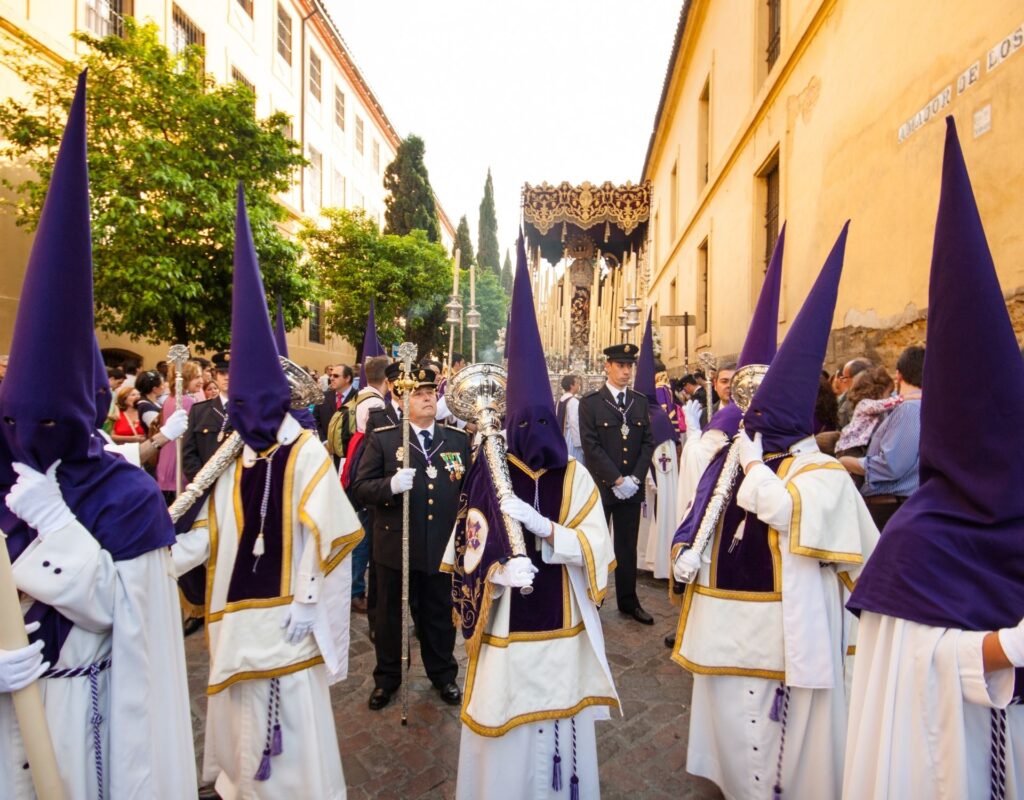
column 410, row 201
column 464, row 243
column 487, row 248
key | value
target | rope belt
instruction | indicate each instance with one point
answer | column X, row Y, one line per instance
column 272, row 746
column 780, row 713
column 92, row 671
column 556, row 772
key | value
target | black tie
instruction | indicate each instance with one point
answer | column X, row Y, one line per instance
column 622, row 401
column 427, row 440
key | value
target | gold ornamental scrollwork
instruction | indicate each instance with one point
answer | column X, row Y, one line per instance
column 586, row 205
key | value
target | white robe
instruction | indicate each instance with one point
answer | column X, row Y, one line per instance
column 733, row 741
column 515, row 761
column 920, row 715
column 127, row 610
column 246, row 640
column 698, row 452
column 661, row 517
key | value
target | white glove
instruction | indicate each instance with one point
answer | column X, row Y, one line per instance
column 686, row 566
column 175, row 425
column 402, row 480
column 617, row 491
column 36, row 499
column 692, row 410
column 19, row 668
column 1012, row 642
column 535, row 522
column 629, row 487
column 518, row 573
column 751, row 450
column 298, row 623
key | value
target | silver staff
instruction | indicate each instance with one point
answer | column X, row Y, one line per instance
column 178, row 355
column 405, row 384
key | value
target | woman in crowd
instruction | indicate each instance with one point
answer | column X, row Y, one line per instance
column 167, row 463
column 870, row 396
column 128, row 427
column 150, row 385
column 210, row 389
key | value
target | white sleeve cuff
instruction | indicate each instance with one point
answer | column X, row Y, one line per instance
column 49, row 565
column 563, row 547
column 993, row 689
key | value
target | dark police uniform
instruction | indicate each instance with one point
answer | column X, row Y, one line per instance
column 610, row 455
column 433, row 506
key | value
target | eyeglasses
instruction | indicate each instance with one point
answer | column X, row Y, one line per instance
column 335, row 376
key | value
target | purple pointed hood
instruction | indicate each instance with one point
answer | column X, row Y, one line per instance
column 662, row 428
column 101, row 386
column 783, row 407
column 118, row 504
column 762, row 336
column 56, row 306
column 371, row 343
column 534, row 435
column 279, row 331
column 953, row 555
column 258, row 393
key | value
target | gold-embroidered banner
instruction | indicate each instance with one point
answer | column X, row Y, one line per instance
column 587, row 205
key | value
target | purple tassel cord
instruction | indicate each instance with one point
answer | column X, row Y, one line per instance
column 273, row 746
column 556, row 768
column 773, row 715
column 574, row 788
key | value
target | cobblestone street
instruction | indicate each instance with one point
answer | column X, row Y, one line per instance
column 642, row 754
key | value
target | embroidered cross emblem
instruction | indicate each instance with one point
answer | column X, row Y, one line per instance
column 664, row 461
column 473, row 533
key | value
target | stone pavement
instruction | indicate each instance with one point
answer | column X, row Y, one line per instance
column 642, row 754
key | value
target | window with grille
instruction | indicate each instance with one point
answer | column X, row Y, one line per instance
column 106, row 17
column 376, row 157
column 284, row 34
column 703, row 279
column 246, row 6
column 314, row 75
column 338, row 190
column 339, row 108
column 184, row 32
column 238, row 77
column 771, row 209
column 774, row 31
column 314, row 177
column 316, row 331
column 359, row 136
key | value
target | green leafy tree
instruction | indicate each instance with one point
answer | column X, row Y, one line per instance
column 464, row 244
column 409, row 205
column 167, row 147
column 487, row 250
column 507, row 276
column 492, row 303
column 408, row 277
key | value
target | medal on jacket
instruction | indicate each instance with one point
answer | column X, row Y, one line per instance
column 624, row 430
column 431, row 471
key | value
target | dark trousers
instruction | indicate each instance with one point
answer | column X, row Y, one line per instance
column 882, row 507
column 625, row 520
column 431, row 604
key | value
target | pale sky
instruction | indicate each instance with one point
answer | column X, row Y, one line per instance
column 537, row 90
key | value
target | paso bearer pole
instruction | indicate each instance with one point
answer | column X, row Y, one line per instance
column 28, row 702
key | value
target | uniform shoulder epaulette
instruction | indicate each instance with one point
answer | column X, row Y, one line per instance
column 455, row 428
column 591, row 393
column 385, row 428
column 203, row 403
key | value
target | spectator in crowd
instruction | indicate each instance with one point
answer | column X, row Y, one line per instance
column 115, row 376
column 568, row 414
column 167, row 463
column 826, row 416
column 891, row 464
column 210, row 387
column 850, row 371
column 338, row 392
column 721, row 392
column 128, row 427
column 131, row 370
column 871, row 396
column 150, row 386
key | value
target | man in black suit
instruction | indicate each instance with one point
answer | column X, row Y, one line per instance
column 339, row 390
column 615, row 427
column 208, row 424
column 439, row 457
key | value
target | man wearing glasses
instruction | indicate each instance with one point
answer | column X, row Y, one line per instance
column 845, row 380
column 339, row 390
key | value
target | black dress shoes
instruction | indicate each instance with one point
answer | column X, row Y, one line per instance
column 450, row 694
column 670, row 641
column 639, row 615
column 379, row 699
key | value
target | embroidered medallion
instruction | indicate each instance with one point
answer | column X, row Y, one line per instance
column 431, row 471
column 625, row 430
column 476, row 538
column 400, row 453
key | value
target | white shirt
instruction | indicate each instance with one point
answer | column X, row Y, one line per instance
column 616, row 391
column 572, row 419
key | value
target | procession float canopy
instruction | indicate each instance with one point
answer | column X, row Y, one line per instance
column 614, row 218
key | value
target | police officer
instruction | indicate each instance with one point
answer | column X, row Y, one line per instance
column 615, row 429
column 439, row 457
column 208, row 424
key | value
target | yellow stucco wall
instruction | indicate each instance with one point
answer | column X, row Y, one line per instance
column 850, row 74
